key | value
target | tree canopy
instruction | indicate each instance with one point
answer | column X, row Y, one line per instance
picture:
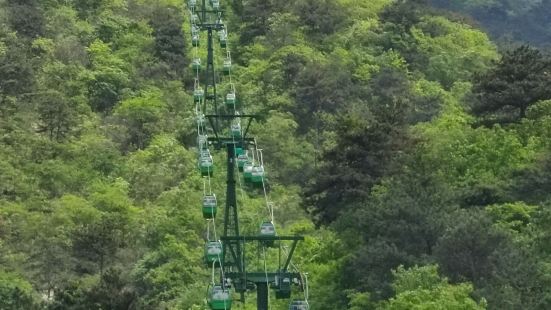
column 408, row 143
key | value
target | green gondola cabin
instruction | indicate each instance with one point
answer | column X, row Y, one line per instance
column 235, row 130
column 227, row 66
column 219, row 298
column 282, row 285
column 206, row 164
column 209, row 206
column 223, row 38
column 231, row 99
column 267, row 229
column 248, row 172
column 213, row 253
column 196, row 64
column 204, row 153
column 195, row 40
column 216, row 5
column 257, row 175
column 198, row 94
column 241, row 161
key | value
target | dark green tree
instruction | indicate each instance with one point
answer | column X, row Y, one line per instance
column 15, row 65
column 110, row 292
column 169, row 39
column 57, row 117
column 400, row 223
column 405, row 13
column 321, row 17
column 108, row 79
column 465, row 252
column 321, row 89
column 26, row 18
column 96, row 244
column 367, row 146
column 533, row 184
column 86, row 8
column 519, row 80
column 254, row 18
column 141, row 116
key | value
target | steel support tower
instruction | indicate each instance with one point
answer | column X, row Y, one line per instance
column 233, row 261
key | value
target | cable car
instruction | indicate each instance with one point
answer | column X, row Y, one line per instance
column 231, row 99
column 204, row 153
column 213, row 253
column 226, row 68
column 216, row 5
column 206, row 164
column 236, row 131
column 299, row 305
column 194, row 30
column 219, row 298
column 209, row 206
column 239, row 151
column 248, row 172
column 223, row 38
column 257, row 176
column 198, row 94
column 267, row 229
column 283, row 285
column 241, row 161
column 196, row 64
column 195, row 40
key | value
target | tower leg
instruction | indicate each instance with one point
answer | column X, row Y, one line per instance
column 262, row 296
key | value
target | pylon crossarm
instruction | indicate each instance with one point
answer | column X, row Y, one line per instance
column 262, row 238
column 213, row 121
column 260, row 277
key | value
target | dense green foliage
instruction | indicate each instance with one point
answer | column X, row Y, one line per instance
column 411, row 153
column 517, row 82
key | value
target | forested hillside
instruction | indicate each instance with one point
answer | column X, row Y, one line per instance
column 509, row 21
column 410, row 150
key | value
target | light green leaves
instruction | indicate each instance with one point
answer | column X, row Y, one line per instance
column 421, row 288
